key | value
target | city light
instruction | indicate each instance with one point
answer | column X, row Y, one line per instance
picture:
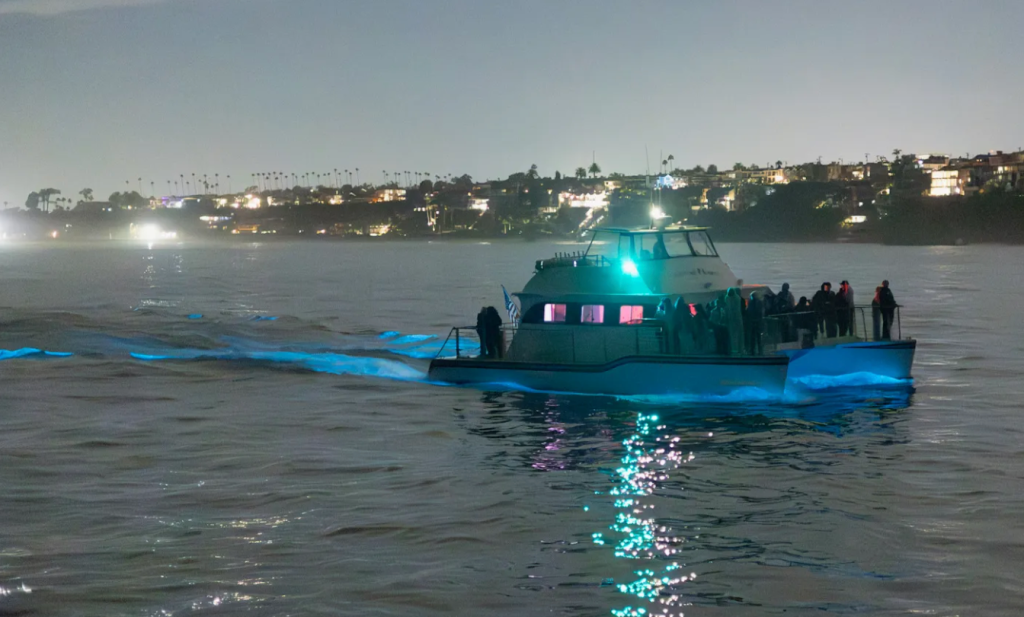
column 150, row 232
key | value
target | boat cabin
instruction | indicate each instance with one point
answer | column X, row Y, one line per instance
column 678, row 261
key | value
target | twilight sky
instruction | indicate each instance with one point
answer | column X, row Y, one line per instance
column 95, row 92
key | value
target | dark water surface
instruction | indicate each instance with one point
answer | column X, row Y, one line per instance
column 278, row 456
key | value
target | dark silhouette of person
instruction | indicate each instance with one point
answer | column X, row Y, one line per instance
column 702, row 333
column 755, row 325
column 660, row 252
column 804, row 318
column 492, row 324
column 824, row 307
column 682, row 321
column 887, row 304
column 784, row 301
column 876, row 314
column 842, row 304
column 481, row 330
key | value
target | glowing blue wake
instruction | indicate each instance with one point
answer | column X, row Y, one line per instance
column 333, row 363
column 29, row 352
column 852, row 380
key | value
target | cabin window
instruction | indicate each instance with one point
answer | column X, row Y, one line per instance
column 554, row 313
column 631, row 314
column 592, row 313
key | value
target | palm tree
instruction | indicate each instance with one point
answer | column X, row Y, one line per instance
column 594, row 169
column 86, row 194
column 778, row 164
column 664, row 165
column 581, row 172
column 671, row 160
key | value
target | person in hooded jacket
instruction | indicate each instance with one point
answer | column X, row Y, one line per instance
column 720, row 326
column 682, row 322
column 784, row 300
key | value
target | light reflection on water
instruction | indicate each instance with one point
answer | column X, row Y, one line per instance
column 649, row 457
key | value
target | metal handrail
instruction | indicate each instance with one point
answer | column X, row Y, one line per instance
column 861, row 310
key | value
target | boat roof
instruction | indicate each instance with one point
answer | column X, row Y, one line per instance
column 640, row 232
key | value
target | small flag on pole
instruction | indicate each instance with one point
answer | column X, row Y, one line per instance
column 510, row 306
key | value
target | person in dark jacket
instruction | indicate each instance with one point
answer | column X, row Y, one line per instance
column 842, row 304
column 481, row 330
column 682, row 324
column 703, row 336
column 824, row 305
column 887, row 304
column 495, row 349
column 876, row 314
column 755, row 325
column 804, row 319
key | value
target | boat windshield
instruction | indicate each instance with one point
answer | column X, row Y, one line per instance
column 668, row 245
column 610, row 245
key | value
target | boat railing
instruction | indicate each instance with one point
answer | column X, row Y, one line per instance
column 803, row 328
column 572, row 259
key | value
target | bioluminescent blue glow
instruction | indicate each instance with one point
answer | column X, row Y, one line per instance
column 333, row 363
column 823, row 382
column 30, row 352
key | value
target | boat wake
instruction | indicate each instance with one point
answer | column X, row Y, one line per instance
column 31, row 352
column 333, row 363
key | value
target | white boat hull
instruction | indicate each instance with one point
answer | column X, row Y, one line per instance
column 893, row 359
column 635, row 375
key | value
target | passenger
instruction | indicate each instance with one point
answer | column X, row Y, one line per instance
column 887, row 302
column 784, row 301
column 824, row 307
column 755, row 325
column 703, row 336
column 876, row 314
column 734, row 320
column 853, row 306
column 660, row 252
column 495, row 348
column 682, row 322
column 481, row 330
column 804, row 320
column 842, row 311
column 719, row 325
column 664, row 316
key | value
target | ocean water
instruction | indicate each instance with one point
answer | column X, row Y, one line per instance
column 246, row 429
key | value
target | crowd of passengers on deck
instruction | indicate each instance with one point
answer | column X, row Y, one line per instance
column 734, row 325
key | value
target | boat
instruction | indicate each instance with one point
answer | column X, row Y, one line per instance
column 571, row 347
column 589, row 324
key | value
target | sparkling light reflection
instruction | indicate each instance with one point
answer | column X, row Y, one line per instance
column 647, row 461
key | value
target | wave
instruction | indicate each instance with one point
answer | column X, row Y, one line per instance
column 31, row 352
column 851, row 380
column 333, row 363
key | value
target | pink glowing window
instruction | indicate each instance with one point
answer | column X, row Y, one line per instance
column 592, row 313
column 631, row 314
column 554, row 313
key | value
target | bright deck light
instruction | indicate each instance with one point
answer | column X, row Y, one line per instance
column 628, row 267
column 657, row 212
